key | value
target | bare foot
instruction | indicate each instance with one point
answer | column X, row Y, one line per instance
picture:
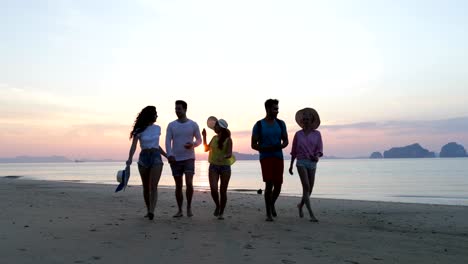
column 216, row 212
column 220, row 217
column 301, row 214
column 269, row 219
column 313, row 219
column 178, row 214
column 189, row 212
column 273, row 211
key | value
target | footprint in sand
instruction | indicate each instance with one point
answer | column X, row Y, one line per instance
column 249, row 246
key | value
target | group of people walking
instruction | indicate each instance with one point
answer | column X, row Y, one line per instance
column 269, row 138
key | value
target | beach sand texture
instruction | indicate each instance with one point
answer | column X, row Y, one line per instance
column 57, row 222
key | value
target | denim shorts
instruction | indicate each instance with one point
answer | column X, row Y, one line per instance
column 183, row 166
column 219, row 168
column 149, row 158
column 306, row 163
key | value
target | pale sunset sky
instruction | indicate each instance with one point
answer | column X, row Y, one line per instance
column 74, row 74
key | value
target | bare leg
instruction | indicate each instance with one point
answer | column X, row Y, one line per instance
column 189, row 192
column 275, row 194
column 311, row 180
column 311, row 187
column 278, row 166
column 178, row 194
column 268, row 198
column 144, row 174
column 214, row 178
column 307, row 186
column 155, row 175
column 303, row 174
column 311, row 176
column 225, row 177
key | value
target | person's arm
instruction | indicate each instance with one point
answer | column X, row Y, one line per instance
column 196, row 134
column 319, row 152
column 229, row 149
column 162, row 152
column 291, row 165
column 284, row 137
column 132, row 150
column 254, row 141
column 293, row 154
column 207, row 147
column 198, row 139
column 170, row 156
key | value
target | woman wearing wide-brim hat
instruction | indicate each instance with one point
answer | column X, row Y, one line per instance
column 307, row 148
column 220, row 158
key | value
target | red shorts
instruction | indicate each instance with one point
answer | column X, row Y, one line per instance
column 272, row 170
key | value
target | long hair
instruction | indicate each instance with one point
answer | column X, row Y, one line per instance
column 146, row 117
column 223, row 135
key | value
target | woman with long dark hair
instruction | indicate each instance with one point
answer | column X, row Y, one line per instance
column 220, row 159
column 150, row 164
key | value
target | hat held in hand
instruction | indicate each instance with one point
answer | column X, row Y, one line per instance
column 211, row 122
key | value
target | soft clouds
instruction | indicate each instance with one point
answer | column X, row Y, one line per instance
column 361, row 139
column 447, row 126
column 81, row 70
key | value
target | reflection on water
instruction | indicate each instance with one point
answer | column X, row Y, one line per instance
column 201, row 171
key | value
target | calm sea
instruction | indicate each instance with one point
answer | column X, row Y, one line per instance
column 434, row 181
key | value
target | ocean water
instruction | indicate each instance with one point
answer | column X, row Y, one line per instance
column 432, row 181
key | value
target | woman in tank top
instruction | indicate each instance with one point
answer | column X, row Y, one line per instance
column 220, row 158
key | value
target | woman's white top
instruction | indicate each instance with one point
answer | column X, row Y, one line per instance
column 149, row 138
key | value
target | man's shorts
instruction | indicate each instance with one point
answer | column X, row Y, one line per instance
column 272, row 170
column 183, row 166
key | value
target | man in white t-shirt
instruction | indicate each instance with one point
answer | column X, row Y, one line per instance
column 181, row 154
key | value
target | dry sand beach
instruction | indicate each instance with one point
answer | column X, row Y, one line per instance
column 57, row 222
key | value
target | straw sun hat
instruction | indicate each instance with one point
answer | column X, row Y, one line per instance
column 211, row 122
column 310, row 112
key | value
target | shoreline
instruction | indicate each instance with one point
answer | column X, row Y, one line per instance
column 245, row 191
column 57, row 222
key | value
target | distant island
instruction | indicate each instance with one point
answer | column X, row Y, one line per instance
column 415, row 150
column 410, row 151
column 32, row 159
column 47, row 159
column 376, row 155
column 452, row 150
